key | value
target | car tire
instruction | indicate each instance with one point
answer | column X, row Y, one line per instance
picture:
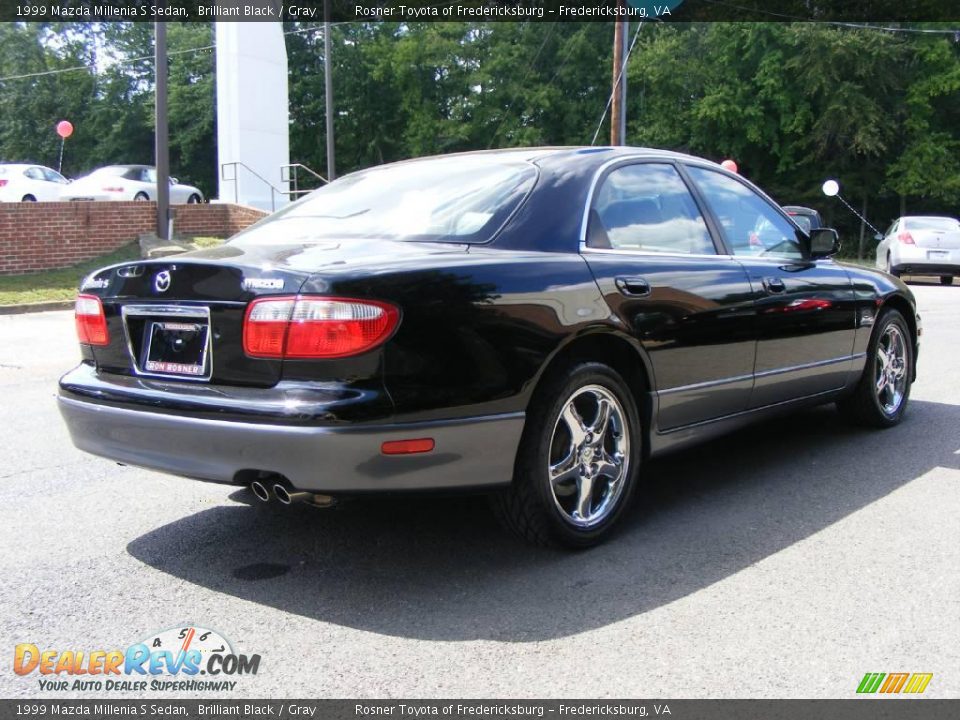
column 28, row 198
column 890, row 269
column 946, row 279
column 572, row 486
column 141, row 197
column 194, row 199
column 883, row 406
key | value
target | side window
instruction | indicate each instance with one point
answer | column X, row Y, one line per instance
column 53, row 176
column 647, row 207
column 34, row 173
column 892, row 229
column 751, row 225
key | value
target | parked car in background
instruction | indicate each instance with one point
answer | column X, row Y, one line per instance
column 21, row 182
column 535, row 324
column 921, row 245
column 807, row 218
column 127, row 182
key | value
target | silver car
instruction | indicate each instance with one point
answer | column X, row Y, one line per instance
column 922, row 245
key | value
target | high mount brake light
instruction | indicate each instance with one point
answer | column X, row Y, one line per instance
column 91, row 322
column 311, row 327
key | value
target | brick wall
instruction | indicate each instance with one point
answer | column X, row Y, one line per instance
column 42, row 236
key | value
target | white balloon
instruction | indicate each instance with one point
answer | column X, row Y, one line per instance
column 831, row 188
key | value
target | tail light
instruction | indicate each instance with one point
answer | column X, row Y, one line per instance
column 310, row 327
column 906, row 238
column 91, row 323
column 3, row 183
column 112, row 189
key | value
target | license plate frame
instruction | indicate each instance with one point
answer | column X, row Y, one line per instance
column 938, row 254
column 163, row 319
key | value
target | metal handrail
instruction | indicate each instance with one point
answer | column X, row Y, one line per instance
column 236, row 186
column 296, row 167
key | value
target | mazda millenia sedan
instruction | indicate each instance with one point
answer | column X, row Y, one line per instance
column 535, row 324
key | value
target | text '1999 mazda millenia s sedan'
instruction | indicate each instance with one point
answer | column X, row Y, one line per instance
column 534, row 324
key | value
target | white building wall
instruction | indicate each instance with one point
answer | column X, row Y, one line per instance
column 252, row 112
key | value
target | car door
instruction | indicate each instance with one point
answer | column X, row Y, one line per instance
column 806, row 314
column 883, row 247
column 54, row 181
column 657, row 265
column 35, row 183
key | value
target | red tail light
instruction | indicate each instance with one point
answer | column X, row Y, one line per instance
column 906, row 238
column 91, row 323
column 3, row 183
column 311, row 327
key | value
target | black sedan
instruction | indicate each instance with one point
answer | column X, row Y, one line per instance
column 534, row 324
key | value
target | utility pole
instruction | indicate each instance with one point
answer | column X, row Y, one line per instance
column 616, row 106
column 328, row 91
column 625, row 50
column 162, row 139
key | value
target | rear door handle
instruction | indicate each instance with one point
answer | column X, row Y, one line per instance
column 633, row 286
column 774, row 285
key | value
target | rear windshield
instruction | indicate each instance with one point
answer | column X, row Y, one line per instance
column 803, row 221
column 463, row 199
column 932, row 223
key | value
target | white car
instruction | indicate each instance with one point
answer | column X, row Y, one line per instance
column 29, row 183
column 921, row 245
column 127, row 182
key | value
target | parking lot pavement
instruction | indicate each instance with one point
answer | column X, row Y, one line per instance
column 785, row 561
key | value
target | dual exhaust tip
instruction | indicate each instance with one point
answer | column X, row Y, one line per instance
column 287, row 495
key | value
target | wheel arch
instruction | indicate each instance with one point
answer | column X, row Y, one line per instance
column 620, row 352
column 904, row 307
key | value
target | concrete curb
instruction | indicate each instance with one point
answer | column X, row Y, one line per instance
column 36, row 307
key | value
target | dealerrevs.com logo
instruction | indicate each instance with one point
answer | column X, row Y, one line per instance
column 181, row 659
column 894, row 683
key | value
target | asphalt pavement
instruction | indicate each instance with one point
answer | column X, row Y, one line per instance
column 787, row 560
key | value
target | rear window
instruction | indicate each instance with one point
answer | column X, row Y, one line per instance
column 931, row 223
column 463, row 199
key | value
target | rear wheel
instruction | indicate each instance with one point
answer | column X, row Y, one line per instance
column 141, row 197
column 578, row 459
column 194, row 199
column 890, row 268
column 28, row 198
column 880, row 399
column 946, row 279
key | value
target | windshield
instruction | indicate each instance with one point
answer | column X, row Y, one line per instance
column 932, row 223
column 110, row 171
column 462, row 199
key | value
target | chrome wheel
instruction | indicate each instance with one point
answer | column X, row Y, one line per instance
column 890, row 375
column 589, row 456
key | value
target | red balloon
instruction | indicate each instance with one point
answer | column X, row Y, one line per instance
column 64, row 129
column 729, row 165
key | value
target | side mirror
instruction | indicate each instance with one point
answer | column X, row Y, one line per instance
column 173, row 181
column 878, row 237
column 824, row 242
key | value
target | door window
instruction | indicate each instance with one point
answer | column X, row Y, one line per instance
column 647, row 208
column 34, row 173
column 752, row 226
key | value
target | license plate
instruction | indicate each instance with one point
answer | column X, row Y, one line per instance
column 938, row 254
column 176, row 347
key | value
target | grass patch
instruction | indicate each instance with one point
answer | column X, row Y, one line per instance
column 58, row 284
column 202, row 243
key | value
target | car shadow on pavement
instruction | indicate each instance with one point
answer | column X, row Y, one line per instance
column 442, row 569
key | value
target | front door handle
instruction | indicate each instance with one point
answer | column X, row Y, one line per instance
column 633, row 286
column 774, row 285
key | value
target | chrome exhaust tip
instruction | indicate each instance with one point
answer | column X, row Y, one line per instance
column 260, row 490
column 288, row 497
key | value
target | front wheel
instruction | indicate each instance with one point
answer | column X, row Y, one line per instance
column 880, row 398
column 578, row 460
column 946, row 279
column 141, row 197
column 194, row 199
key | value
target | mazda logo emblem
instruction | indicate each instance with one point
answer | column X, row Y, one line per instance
column 161, row 283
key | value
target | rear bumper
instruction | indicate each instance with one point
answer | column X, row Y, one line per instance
column 909, row 260
column 469, row 453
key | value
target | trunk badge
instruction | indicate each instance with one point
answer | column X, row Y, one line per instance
column 161, row 283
